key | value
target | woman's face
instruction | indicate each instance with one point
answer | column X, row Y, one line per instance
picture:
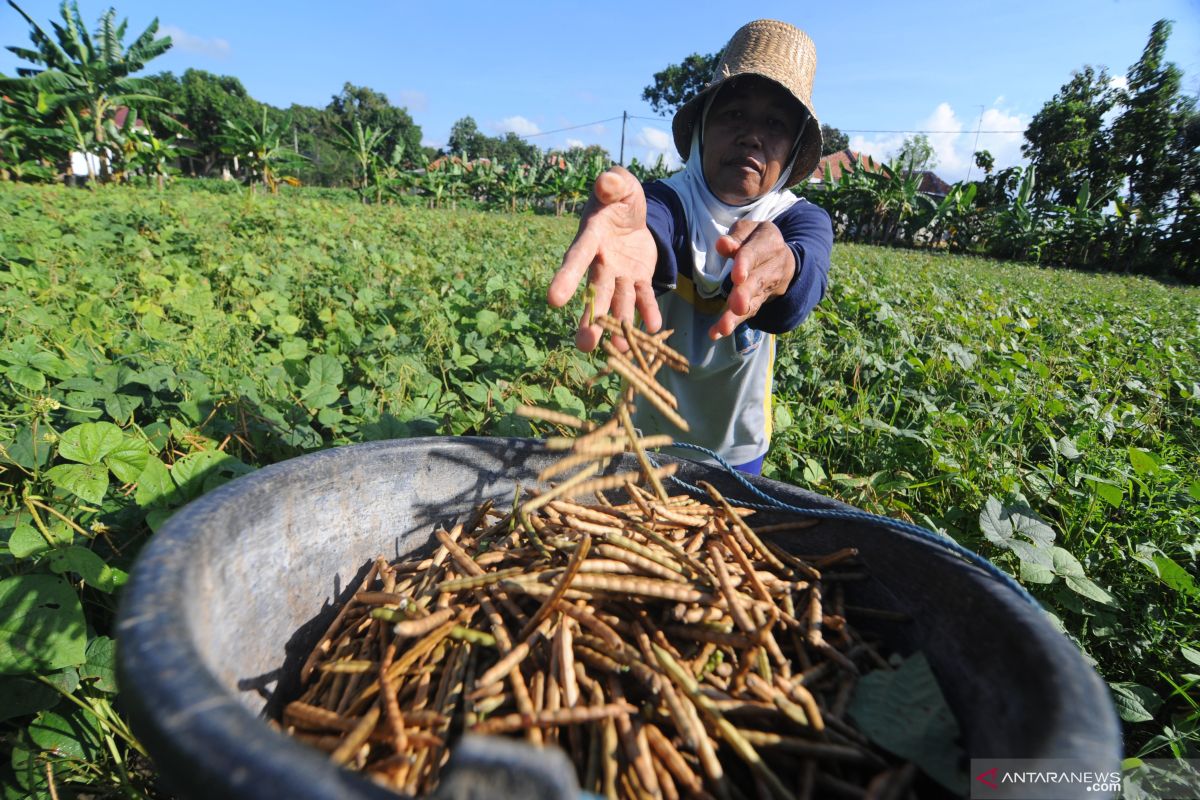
column 748, row 135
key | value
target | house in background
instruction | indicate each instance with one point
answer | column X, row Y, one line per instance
column 843, row 160
column 79, row 161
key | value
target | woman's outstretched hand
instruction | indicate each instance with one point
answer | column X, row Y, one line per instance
column 763, row 268
column 615, row 250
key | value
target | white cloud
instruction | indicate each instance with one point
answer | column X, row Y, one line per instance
column 215, row 47
column 413, row 100
column 518, row 125
column 574, row 143
column 1118, row 82
column 655, row 142
column 954, row 141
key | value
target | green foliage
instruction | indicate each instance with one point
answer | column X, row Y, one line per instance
column 680, row 82
column 1047, row 420
column 914, row 154
column 1067, row 141
column 154, row 346
column 833, row 140
column 81, row 72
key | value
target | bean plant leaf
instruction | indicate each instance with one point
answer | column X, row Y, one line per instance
column 100, row 668
column 90, row 442
column 128, row 459
column 324, row 376
column 1033, row 572
column 1143, row 461
column 487, row 322
column 26, row 541
column 1108, row 491
column 88, row 566
column 20, row 696
column 76, row 735
column 1070, row 570
column 87, row 481
column 27, row 376
column 121, row 406
column 154, row 484
column 1003, row 525
column 41, row 624
column 1167, row 571
column 1067, row 449
column 904, row 712
column 1191, row 655
column 1135, row 703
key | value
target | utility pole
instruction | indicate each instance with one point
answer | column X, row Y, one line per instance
column 975, row 149
column 624, row 119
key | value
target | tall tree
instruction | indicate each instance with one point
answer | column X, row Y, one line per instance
column 1067, row 141
column 833, row 140
column 1143, row 133
column 469, row 143
column 465, row 139
column 915, row 154
column 90, row 73
column 373, row 110
column 203, row 103
column 679, row 83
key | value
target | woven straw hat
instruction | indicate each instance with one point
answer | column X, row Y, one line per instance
column 774, row 50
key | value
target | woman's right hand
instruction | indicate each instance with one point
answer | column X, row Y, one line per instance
column 615, row 249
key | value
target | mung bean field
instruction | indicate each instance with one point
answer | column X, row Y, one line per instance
column 156, row 345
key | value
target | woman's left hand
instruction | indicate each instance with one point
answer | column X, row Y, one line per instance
column 763, row 267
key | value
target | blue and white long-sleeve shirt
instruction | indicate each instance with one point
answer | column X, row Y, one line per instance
column 726, row 397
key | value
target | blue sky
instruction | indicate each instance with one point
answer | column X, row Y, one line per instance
column 536, row 68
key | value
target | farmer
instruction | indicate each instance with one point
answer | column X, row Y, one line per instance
column 721, row 252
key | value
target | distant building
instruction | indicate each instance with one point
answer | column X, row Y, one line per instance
column 842, row 160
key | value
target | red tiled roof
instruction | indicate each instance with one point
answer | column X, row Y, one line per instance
column 838, row 162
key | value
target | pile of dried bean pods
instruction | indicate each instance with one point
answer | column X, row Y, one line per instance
column 666, row 644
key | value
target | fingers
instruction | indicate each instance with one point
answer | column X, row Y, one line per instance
column 575, row 264
column 726, row 324
column 615, row 185
column 647, row 305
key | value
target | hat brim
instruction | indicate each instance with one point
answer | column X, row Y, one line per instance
column 689, row 113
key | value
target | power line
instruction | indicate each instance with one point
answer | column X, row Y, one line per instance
column 849, row 130
column 571, row 128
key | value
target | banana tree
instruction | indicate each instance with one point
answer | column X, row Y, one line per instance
column 1019, row 232
column 515, row 183
column 89, row 73
column 956, row 219
column 262, row 151
column 364, row 146
column 31, row 143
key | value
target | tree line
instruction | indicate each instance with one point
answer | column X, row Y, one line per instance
column 1113, row 180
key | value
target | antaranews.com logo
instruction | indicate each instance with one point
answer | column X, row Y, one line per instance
column 1034, row 779
column 1052, row 779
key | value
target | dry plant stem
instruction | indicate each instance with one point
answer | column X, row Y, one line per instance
column 327, row 640
column 357, row 737
column 553, row 417
column 571, row 484
column 422, row 626
column 732, row 736
column 732, row 598
column 672, row 759
column 740, row 527
column 633, row 740
column 639, row 451
column 560, row 589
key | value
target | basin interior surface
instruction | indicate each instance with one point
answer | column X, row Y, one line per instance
column 229, row 597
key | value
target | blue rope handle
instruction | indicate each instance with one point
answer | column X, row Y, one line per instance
column 773, row 504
